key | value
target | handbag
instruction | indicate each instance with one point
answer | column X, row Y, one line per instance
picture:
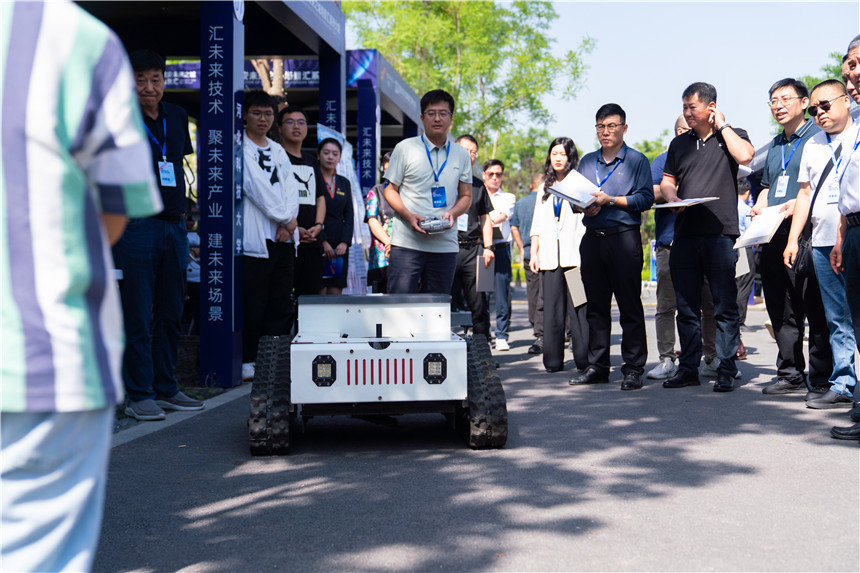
column 803, row 266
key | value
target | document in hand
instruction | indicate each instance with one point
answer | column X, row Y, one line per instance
column 684, row 203
column 485, row 277
column 762, row 227
column 576, row 189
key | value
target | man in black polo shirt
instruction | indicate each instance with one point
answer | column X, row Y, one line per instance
column 293, row 127
column 704, row 163
column 153, row 257
column 791, row 299
column 611, row 249
column 474, row 231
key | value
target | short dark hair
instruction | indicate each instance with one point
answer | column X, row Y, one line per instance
column 835, row 83
column 608, row 109
column 328, row 140
column 854, row 44
column 743, row 185
column 290, row 109
column 799, row 87
column 143, row 60
column 492, row 162
column 258, row 98
column 436, row 96
column 385, row 159
column 467, row 137
column 706, row 93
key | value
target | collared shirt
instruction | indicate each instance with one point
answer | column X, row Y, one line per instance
column 503, row 203
column 178, row 146
column 664, row 219
column 849, row 187
column 60, row 315
column 631, row 178
column 412, row 171
column 774, row 167
column 522, row 219
column 469, row 227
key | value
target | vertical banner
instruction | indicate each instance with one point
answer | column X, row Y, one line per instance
column 367, row 160
column 332, row 90
column 220, row 192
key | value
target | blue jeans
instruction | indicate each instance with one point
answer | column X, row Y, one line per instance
column 839, row 323
column 411, row 271
column 691, row 260
column 153, row 256
column 53, row 467
column 502, row 290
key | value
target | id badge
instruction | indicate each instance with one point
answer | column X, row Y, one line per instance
column 463, row 222
column 165, row 172
column 781, row 186
column 439, row 198
column 832, row 192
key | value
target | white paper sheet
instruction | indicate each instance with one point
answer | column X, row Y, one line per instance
column 576, row 189
column 575, row 286
column 684, row 203
column 762, row 227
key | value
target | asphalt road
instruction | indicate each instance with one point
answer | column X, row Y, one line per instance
column 592, row 478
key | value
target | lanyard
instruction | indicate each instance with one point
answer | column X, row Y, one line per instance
column 790, row 155
column 447, row 151
column 597, row 174
column 836, row 164
column 331, row 188
column 557, row 206
column 163, row 146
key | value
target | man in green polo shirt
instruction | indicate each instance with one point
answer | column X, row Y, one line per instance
column 429, row 176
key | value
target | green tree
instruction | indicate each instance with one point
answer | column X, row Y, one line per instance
column 494, row 58
column 523, row 153
column 651, row 149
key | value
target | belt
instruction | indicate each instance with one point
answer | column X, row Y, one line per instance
column 610, row 230
column 172, row 218
column 468, row 244
column 853, row 219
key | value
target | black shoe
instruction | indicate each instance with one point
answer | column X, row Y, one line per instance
column 537, row 346
column 555, row 369
column 855, row 413
column 590, row 376
column 724, row 383
column 816, row 392
column 683, row 378
column 632, row 381
column 830, row 399
column 783, row 386
column 852, row 433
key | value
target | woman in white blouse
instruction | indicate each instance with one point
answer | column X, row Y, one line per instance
column 556, row 233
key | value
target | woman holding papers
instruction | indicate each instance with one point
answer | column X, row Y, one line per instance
column 556, row 233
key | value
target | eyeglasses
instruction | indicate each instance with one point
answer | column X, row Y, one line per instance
column 494, row 174
column 610, row 127
column 299, row 122
column 258, row 114
column 823, row 105
column 432, row 114
column 784, row 101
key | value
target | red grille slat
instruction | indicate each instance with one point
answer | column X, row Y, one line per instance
column 410, row 371
column 364, row 372
column 347, row 372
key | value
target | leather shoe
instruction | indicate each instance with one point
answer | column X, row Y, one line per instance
column 590, row 376
column 555, row 369
column 724, row 383
column 536, row 347
column 852, row 433
column 632, row 381
column 783, row 386
column 830, row 399
column 816, row 392
column 855, row 413
column 682, row 378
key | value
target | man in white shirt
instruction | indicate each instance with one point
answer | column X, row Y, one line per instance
column 822, row 166
column 503, row 209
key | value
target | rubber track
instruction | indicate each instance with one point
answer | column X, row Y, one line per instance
column 488, row 413
column 269, row 419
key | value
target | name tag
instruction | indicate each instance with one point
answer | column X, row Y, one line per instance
column 166, row 174
column 438, row 195
column 781, row 186
column 832, row 192
column 338, row 193
column 463, row 222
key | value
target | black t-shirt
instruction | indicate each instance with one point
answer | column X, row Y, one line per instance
column 178, row 145
column 705, row 169
column 311, row 186
column 481, row 205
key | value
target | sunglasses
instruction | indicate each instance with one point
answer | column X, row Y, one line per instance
column 822, row 105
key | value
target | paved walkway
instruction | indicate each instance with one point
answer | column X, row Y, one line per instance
column 591, row 479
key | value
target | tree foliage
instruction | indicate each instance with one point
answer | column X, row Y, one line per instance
column 494, row 58
column 831, row 70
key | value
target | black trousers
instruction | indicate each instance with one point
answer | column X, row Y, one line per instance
column 309, row 270
column 789, row 300
column 465, row 281
column 267, row 285
column 534, row 292
column 557, row 309
column 612, row 264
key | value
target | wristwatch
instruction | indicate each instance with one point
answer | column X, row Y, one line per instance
column 490, row 248
column 725, row 125
column 612, row 201
column 322, row 226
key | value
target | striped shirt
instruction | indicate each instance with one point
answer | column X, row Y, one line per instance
column 71, row 148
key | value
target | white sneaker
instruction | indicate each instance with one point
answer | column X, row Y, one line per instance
column 502, row 344
column 665, row 369
column 711, row 370
column 248, row 371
